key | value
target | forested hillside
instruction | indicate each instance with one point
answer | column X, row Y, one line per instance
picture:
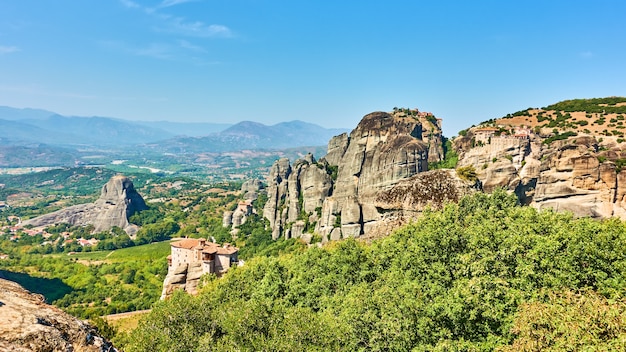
column 484, row 274
column 112, row 272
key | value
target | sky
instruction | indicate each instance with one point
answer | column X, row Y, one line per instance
column 320, row 61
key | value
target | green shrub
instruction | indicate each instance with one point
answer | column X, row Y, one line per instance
column 560, row 136
column 467, row 173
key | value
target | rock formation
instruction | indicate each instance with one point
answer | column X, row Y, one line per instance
column 28, row 324
column 580, row 174
column 374, row 179
column 250, row 190
column 118, row 201
column 184, row 277
column 406, row 200
column 336, row 195
column 427, row 189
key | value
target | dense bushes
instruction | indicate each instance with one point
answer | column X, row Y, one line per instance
column 160, row 231
column 559, row 137
column 595, row 105
column 464, row 278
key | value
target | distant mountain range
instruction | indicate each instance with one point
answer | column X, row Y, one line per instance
column 253, row 135
column 35, row 126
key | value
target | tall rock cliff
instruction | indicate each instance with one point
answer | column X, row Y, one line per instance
column 335, row 196
column 118, row 201
column 566, row 160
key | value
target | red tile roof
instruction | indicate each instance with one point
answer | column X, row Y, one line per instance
column 187, row 243
column 209, row 247
column 486, row 129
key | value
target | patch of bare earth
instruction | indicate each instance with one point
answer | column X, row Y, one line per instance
column 599, row 124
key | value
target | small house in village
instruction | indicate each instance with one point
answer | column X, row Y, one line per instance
column 484, row 134
column 212, row 257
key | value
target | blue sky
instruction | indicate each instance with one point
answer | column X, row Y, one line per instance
column 326, row 62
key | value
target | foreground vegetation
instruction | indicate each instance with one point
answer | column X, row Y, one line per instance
column 485, row 274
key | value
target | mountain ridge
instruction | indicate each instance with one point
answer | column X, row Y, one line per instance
column 247, row 135
column 23, row 126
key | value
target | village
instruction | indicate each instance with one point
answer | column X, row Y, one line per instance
column 48, row 239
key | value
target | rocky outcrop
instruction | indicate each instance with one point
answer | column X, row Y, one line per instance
column 406, row 200
column 295, row 193
column 28, row 325
column 335, row 196
column 251, row 188
column 431, row 189
column 250, row 191
column 579, row 174
column 498, row 163
column 184, row 277
column 572, row 178
column 118, row 201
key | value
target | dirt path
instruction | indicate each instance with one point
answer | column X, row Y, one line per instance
column 118, row 316
column 126, row 321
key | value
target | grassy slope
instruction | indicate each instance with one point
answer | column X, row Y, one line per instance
column 150, row 251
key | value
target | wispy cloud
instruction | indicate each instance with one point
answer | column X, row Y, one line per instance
column 41, row 91
column 181, row 50
column 8, row 49
column 162, row 51
column 38, row 90
column 130, row 4
column 168, row 3
column 178, row 25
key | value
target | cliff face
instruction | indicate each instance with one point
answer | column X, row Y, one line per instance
column 572, row 178
column 184, row 277
column 335, row 196
column 118, row 201
column 580, row 174
column 28, row 325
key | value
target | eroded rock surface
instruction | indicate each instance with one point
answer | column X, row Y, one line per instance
column 579, row 174
column 184, row 277
column 335, row 196
column 118, row 201
column 27, row 324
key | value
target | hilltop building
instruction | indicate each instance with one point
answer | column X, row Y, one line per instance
column 193, row 257
column 212, row 257
column 484, row 134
